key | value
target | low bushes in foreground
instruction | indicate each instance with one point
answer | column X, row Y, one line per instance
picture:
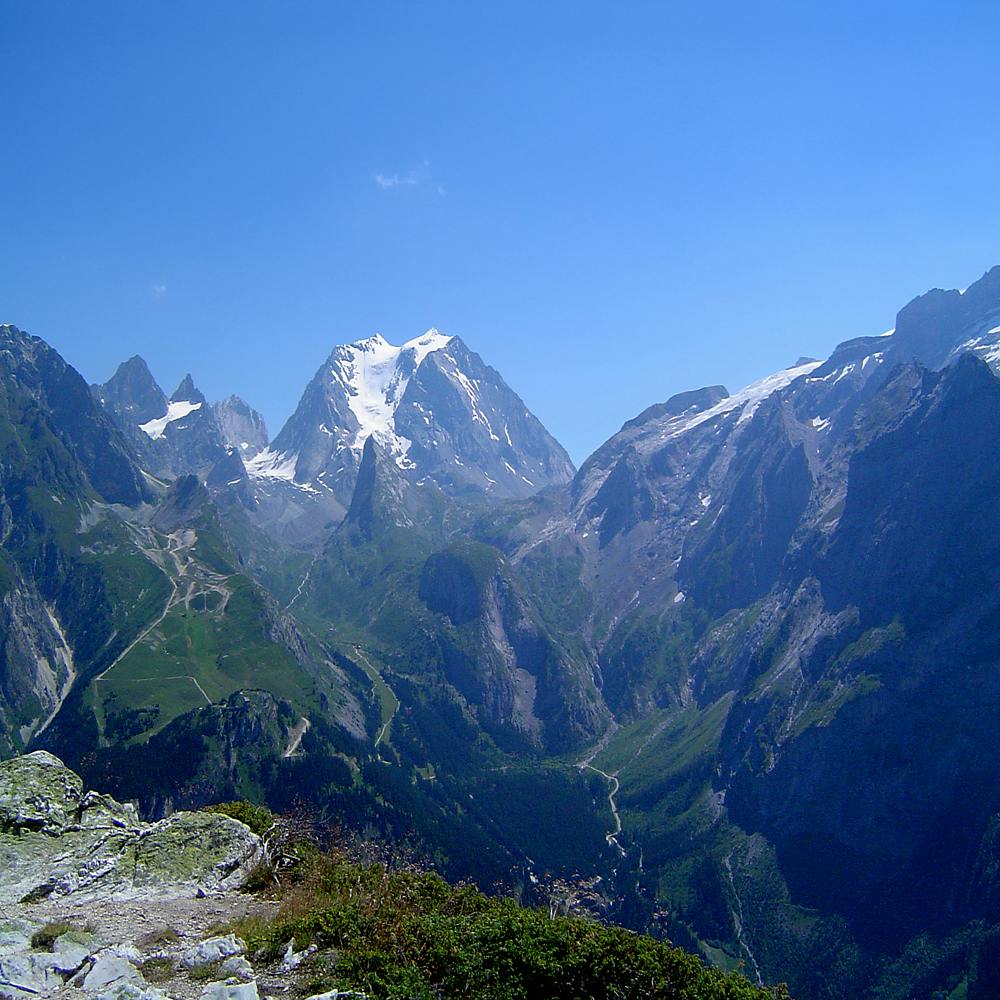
column 412, row 935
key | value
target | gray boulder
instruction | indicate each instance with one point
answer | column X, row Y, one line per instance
column 131, row 991
column 212, row 950
column 109, row 970
column 28, row 975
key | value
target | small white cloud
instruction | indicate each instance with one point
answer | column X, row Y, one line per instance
column 420, row 175
column 386, row 181
column 159, row 291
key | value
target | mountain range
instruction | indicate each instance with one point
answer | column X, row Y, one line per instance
column 733, row 681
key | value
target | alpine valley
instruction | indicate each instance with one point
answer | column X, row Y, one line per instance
column 735, row 682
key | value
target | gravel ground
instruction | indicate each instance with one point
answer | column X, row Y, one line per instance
column 142, row 922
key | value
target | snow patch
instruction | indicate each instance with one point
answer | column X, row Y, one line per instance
column 175, row 411
column 746, row 400
column 268, row 464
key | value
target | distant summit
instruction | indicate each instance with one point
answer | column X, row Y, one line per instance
column 431, row 405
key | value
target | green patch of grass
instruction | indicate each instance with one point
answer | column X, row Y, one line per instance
column 207, row 973
column 388, row 702
column 158, row 970
column 45, row 937
column 870, row 642
column 628, row 741
column 961, row 991
column 829, row 697
column 196, row 657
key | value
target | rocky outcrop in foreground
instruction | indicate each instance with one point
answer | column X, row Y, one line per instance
column 56, row 840
column 95, row 903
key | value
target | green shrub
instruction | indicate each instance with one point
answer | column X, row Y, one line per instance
column 208, row 973
column 258, row 818
column 400, row 934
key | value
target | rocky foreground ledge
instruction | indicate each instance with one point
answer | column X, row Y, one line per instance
column 95, row 903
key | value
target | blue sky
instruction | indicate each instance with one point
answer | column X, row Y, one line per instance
column 609, row 202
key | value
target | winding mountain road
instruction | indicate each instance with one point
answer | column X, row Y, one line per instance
column 613, row 786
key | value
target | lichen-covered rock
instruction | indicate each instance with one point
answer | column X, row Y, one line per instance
column 37, row 792
column 15, row 935
column 238, row 967
column 292, row 959
column 205, row 850
column 71, row 950
column 56, row 840
column 131, row 991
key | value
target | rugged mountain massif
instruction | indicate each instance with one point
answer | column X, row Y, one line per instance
column 749, row 648
column 432, row 405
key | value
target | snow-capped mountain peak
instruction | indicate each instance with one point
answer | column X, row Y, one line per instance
column 430, row 405
column 374, row 374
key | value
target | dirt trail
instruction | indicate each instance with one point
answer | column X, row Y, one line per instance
column 142, row 922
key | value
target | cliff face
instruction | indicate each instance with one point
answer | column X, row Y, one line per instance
column 863, row 730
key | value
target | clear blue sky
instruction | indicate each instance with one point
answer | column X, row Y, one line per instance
column 610, row 202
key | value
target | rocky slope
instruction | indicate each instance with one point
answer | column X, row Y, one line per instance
column 182, row 434
column 73, row 582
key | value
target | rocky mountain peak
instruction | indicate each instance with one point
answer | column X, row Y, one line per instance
column 694, row 400
column 133, row 392
column 188, row 392
column 380, row 494
column 36, row 371
column 242, row 427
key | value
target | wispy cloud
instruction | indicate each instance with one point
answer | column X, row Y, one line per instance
column 418, row 176
column 159, row 291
